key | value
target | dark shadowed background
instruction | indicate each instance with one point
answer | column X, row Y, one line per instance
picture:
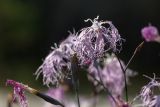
column 28, row 29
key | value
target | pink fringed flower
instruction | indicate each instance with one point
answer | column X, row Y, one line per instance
column 94, row 41
column 57, row 65
column 147, row 95
column 150, row 33
column 90, row 44
column 18, row 91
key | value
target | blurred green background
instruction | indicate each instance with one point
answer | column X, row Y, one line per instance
column 28, row 28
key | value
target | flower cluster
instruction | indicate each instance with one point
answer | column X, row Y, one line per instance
column 18, row 92
column 90, row 44
column 90, row 48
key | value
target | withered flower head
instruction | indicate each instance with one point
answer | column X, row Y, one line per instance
column 18, row 92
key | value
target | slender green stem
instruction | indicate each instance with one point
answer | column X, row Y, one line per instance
column 125, row 79
column 74, row 68
column 76, row 89
column 124, row 69
column 135, row 52
column 9, row 100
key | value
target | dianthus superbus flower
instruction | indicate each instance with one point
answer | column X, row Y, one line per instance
column 147, row 94
column 94, row 41
column 18, row 92
column 55, row 67
column 88, row 45
column 150, row 33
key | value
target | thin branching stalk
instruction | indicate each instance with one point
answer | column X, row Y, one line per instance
column 95, row 99
column 9, row 100
column 125, row 79
column 138, row 48
column 74, row 69
column 124, row 69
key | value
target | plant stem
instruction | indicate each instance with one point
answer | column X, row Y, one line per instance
column 125, row 79
column 124, row 69
column 135, row 52
column 10, row 100
column 76, row 90
column 74, row 68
